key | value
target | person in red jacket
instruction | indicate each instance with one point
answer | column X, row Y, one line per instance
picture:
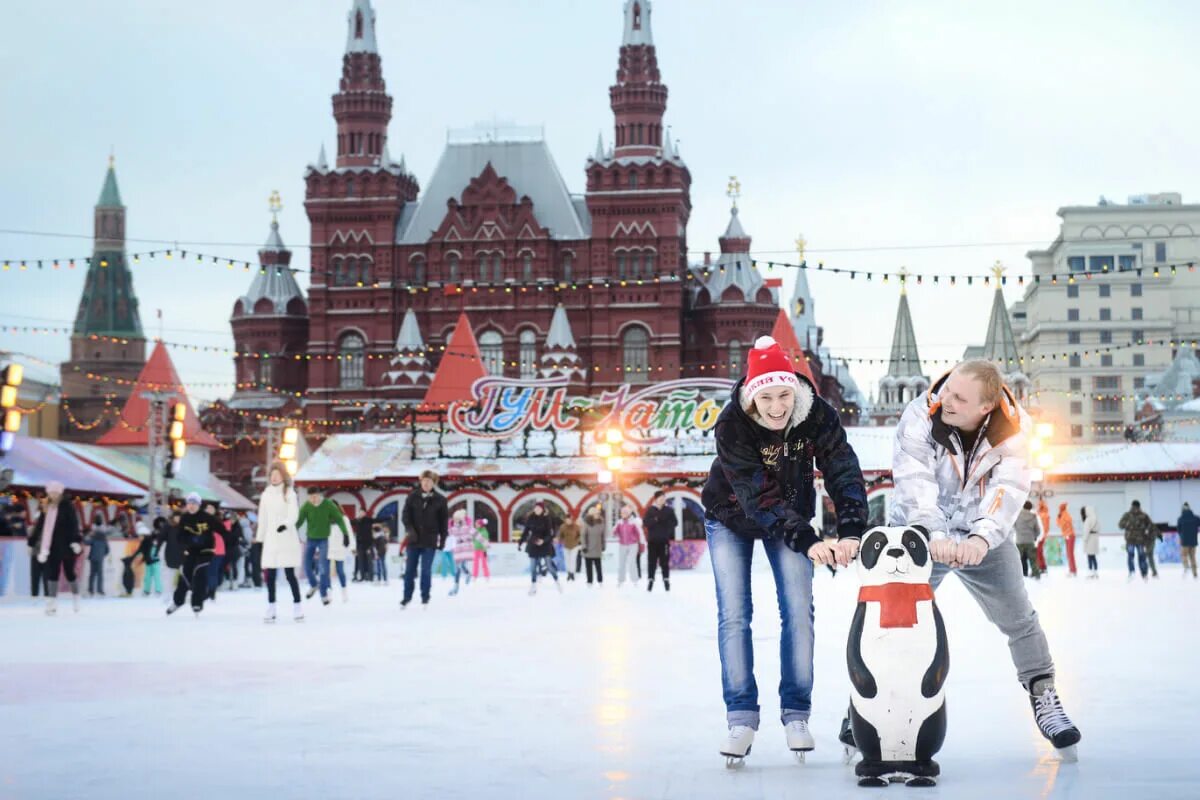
column 1068, row 532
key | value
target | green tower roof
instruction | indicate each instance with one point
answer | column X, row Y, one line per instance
column 110, row 197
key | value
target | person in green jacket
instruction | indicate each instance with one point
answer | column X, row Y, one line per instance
column 320, row 514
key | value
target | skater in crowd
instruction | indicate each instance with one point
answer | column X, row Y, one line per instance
column 379, row 538
column 460, row 542
column 36, row 583
column 426, row 525
column 364, row 534
column 98, row 550
column 969, row 424
column 57, row 544
column 319, row 515
column 1027, row 533
column 569, row 534
column 173, row 550
column 220, row 548
column 1187, row 526
column 341, row 548
column 1155, row 536
column 253, row 566
column 593, row 542
column 629, row 536
column 538, row 543
column 198, row 533
column 1138, row 537
column 1091, row 539
column 234, row 540
column 278, row 510
column 149, row 550
column 1043, row 515
column 1067, row 527
column 480, row 542
column 660, row 524
column 760, row 488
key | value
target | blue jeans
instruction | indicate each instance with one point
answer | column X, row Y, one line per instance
column 341, row 573
column 536, row 563
column 320, row 549
column 381, row 568
column 1130, row 549
column 424, row 557
column 731, row 556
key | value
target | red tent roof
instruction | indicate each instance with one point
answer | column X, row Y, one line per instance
column 158, row 375
column 786, row 336
column 460, row 367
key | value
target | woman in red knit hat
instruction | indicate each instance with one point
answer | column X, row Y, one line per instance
column 760, row 488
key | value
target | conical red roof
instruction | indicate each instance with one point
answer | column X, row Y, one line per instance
column 158, row 375
column 786, row 336
column 461, row 366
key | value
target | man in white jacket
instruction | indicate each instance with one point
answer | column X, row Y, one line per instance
column 961, row 474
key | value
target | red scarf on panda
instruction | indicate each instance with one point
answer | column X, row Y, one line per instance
column 897, row 602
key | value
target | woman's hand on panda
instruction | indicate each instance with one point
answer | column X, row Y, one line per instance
column 823, row 554
column 847, row 549
column 943, row 551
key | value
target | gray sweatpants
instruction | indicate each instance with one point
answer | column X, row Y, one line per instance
column 999, row 588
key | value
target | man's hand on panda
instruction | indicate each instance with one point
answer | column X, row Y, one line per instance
column 943, row 551
column 971, row 551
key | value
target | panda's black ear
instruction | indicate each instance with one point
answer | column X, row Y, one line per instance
column 922, row 529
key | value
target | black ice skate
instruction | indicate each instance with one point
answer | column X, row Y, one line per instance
column 1051, row 719
column 846, row 737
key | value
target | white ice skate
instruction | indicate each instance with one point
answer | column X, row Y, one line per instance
column 558, row 585
column 51, row 606
column 532, row 589
column 737, row 745
column 270, row 617
column 298, row 612
column 75, row 603
column 345, row 595
column 799, row 739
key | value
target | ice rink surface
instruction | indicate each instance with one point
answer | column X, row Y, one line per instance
column 596, row 693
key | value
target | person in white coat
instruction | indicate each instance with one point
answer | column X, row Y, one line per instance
column 1091, row 539
column 341, row 547
column 278, row 509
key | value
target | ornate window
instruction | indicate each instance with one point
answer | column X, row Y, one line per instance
column 452, row 267
column 635, row 354
column 528, row 360
column 418, row 271
column 735, row 358
column 351, row 350
column 527, row 268
column 483, row 267
column 498, row 268
column 491, row 348
column 567, row 264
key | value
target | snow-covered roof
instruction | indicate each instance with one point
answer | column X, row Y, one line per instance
column 409, row 340
column 560, row 336
column 274, row 282
column 1132, row 458
column 526, row 165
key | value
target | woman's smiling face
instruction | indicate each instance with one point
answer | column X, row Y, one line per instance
column 774, row 407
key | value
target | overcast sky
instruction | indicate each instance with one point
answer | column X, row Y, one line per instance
column 879, row 130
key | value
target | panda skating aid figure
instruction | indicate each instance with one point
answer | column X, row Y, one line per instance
column 898, row 660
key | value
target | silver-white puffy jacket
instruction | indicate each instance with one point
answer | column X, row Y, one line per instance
column 937, row 490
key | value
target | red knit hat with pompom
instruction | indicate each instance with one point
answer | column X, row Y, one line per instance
column 768, row 367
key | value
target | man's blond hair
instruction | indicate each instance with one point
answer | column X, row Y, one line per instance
column 988, row 374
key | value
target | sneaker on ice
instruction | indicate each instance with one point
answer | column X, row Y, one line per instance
column 799, row 739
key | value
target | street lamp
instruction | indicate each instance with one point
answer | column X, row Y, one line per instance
column 10, row 414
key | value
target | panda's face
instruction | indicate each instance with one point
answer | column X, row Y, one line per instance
column 894, row 555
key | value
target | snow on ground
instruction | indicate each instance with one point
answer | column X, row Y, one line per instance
column 597, row 693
